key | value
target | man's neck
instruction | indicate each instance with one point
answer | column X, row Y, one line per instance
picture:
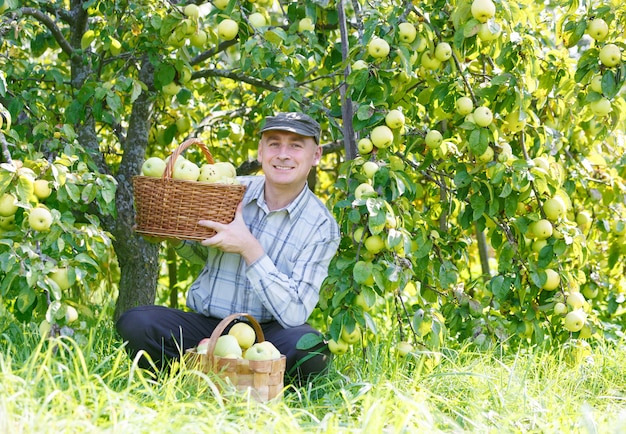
column 278, row 197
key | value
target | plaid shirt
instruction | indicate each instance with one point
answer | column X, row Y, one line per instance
column 299, row 242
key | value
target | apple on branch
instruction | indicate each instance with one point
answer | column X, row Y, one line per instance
column 227, row 29
column 306, row 25
column 40, row 219
column 394, row 119
column 381, row 136
column 598, row 29
column 8, row 205
column 483, row 10
column 610, row 55
column 365, row 146
column 406, row 32
column 378, row 48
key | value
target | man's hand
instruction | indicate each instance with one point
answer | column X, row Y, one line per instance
column 234, row 237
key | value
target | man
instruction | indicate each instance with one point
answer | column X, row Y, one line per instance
column 270, row 261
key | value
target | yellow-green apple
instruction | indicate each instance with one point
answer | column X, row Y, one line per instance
column 394, row 119
column 583, row 220
column 199, row 38
column 338, row 347
column 183, row 124
column 464, row 105
column 7, row 223
column 262, row 351
column 361, row 302
column 365, row 146
column 42, row 189
column 429, row 61
column 575, row 320
column 598, row 29
column 171, row 88
column 370, row 168
column 433, row 139
column 560, row 308
column 71, row 314
column 360, row 64
column 542, row 229
column 40, row 219
column 404, row 348
column 8, row 205
column 542, row 163
column 575, row 300
column 538, row 245
column 553, row 279
column 257, row 19
column 486, row 156
column 374, row 244
column 554, row 208
column 506, row 152
column 220, row 4
column 515, row 121
column 378, row 48
column 596, row 83
column 192, row 10
column 489, row 31
column 115, row 46
column 209, row 173
column 244, row 334
column 306, row 25
column 351, row 337
column 443, row 51
column 227, row 29
column 585, row 332
column 227, row 345
column 483, row 116
column 483, row 10
column 363, row 191
column 61, row 276
column 44, row 327
column 153, row 166
column 226, row 169
column 610, row 55
column 186, row 170
column 381, row 136
column 601, row 107
column 406, row 32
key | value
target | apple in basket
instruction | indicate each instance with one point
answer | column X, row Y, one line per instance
column 262, row 351
column 187, row 170
column 227, row 346
column 153, row 166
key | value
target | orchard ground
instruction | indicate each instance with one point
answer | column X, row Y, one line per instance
column 90, row 385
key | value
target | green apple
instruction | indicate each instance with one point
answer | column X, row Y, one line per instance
column 538, row 245
column 60, row 276
column 575, row 320
column 221, row 4
column 306, row 25
column 381, row 136
column 351, row 337
column 365, row 146
column 227, row 344
column 374, row 244
column 186, row 170
column 361, row 302
column 199, row 38
column 394, row 119
column 338, row 347
column 360, row 64
column 262, row 351
column 40, row 219
column 227, row 29
column 406, row 32
column 226, row 169
column 464, row 105
column 244, row 334
column 192, row 10
column 553, row 280
column 209, row 173
column 203, row 346
column 601, row 107
column 183, row 124
column 489, row 31
column 8, row 205
column 171, row 88
column 610, row 55
column 483, row 10
column 515, row 121
column 575, row 300
column 443, row 51
column 433, row 139
column 486, row 156
column 7, row 223
column 364, row 190
column 542, row 229
column 542, row 163
column 42, row 189
column 153, row 166
column 115, row 46
column 257, row 20
column 596, row 83
column 370, row 168
column 378, row 48
column 560, row 308
column 583, row 220
column 483, row 116
column 598, row 29
column 71, row 314
column 554, row 208
column 429, row 61
column 404, row 348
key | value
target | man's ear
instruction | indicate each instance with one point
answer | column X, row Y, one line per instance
column 259, row 152
column 318, row 156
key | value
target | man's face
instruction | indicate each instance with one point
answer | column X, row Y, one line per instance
column 287, row 157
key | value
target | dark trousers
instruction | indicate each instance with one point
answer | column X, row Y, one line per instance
column 166, row 333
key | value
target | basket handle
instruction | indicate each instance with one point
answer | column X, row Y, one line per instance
column 169, row 167
column 217, row 332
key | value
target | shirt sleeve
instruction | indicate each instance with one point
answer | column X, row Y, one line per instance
column 291, row 299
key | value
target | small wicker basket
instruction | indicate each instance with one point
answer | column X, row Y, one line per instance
column 171, row 208
column 263, row 378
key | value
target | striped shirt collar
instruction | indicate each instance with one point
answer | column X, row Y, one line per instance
column 256, row 192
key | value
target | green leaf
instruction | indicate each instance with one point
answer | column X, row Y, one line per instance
column 309, row 341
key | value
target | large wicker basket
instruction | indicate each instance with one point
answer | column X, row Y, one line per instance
column 171, row 208
column 264, row 379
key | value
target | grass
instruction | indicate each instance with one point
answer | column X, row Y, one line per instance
column 89, row 385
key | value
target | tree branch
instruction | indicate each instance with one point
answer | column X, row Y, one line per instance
column 50, row 24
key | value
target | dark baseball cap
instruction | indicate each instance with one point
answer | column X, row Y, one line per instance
column 295, row 122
